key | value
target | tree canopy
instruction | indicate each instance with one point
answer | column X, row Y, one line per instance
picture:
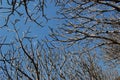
column 83, row 44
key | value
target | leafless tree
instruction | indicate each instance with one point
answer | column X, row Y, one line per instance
column 73, row 53
column 22, row 10
column 92, row 23
column 26, row 59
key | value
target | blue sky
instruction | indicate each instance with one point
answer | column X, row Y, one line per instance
column 39, row 32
